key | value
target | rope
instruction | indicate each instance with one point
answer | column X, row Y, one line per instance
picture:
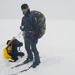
column 0, row 53
column 16, row 37
column 2, row 45
column 19, row 35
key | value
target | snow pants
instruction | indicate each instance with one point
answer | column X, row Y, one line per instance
column 30, row 46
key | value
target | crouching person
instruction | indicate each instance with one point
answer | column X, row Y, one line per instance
column 11, row 51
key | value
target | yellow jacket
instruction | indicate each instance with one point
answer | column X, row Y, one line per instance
column 5, row 54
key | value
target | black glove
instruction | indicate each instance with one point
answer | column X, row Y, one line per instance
column 22, row 28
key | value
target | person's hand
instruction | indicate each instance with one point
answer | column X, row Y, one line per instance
column 22, row 28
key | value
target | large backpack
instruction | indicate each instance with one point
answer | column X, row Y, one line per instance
column 40, row 22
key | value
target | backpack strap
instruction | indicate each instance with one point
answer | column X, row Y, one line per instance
column 33, row 18
column 9, row 47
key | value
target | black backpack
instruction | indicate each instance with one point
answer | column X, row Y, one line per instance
column 40, row 22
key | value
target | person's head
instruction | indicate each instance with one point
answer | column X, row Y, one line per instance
column 13, row 38
column 24, row 8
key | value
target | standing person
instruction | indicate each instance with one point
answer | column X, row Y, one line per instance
column 30, row 30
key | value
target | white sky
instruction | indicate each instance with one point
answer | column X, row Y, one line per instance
column 52, row 9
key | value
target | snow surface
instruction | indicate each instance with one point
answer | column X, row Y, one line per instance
column 56, row 48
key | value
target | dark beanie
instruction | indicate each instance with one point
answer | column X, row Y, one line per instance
column 24, row 6
column 8, row 42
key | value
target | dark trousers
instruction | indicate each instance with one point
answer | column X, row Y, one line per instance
column 30, row 46
column 16, row 54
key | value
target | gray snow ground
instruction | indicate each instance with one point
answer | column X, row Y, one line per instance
column 56, row 48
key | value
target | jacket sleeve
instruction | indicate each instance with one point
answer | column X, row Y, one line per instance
column 17, row 43
column 22, row 24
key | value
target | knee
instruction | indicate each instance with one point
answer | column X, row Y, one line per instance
column 35, row 51
column 26, row 47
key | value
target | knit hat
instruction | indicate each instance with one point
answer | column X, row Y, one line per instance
column 24, row 6
column 13, row 38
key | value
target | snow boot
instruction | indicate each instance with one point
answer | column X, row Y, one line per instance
column 13, row 60
column 35, row 64
column 27, row 61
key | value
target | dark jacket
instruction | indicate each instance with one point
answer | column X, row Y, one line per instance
column 15, row 44
column 29, row 25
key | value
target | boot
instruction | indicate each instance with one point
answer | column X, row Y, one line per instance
column 13, row 60
column 35, row 64
column 27, row 61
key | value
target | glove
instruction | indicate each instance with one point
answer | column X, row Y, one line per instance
column 22, row 28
